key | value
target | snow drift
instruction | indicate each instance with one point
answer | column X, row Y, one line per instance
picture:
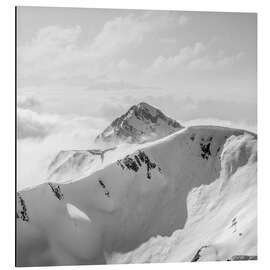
column 191, row 193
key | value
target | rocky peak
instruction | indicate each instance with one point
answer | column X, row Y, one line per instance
column 141, row 122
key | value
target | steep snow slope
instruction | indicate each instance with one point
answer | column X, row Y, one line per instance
column 119, row 207
column 140, row 123
column 222, row 216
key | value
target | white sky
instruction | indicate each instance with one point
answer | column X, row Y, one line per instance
column 97, row 62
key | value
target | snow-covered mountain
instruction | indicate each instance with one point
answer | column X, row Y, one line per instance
column 140, row 123
column 189, row 196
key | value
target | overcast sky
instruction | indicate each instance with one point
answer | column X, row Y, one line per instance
column 97, row 62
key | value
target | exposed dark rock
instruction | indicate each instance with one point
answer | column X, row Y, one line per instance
column 138, row 160
column 234, row 224
column 57, row 191
column 150, row 165
column 107, row 193
column 197, row 256
column 23, row 211
column 243, row 258
column 121, row 130
column 130, row 163
column 205, row 147
column 119, row 163
column 192, row 137
column 134, row 163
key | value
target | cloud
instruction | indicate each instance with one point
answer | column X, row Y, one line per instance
column 31, row 124
column 41, row 136
column 185, row 54
column 37, row 125
column 112, row 110
column 214, row 62
column 120, row 33
column 56, row 55
column 28, row 102
column 34, row 156
column 108, row 85
column 196, row 57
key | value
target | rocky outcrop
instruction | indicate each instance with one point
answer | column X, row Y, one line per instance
column 141, row 122
column 138, row 160
column 243, row 258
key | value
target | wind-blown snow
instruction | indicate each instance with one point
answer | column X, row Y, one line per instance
column 195, row 189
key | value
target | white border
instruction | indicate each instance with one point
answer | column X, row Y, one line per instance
column 7, row 115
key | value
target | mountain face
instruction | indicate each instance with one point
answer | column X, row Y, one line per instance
column 140, row 123
column 191, row 196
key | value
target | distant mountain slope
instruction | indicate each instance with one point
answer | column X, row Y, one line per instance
column 141, row 122
column 74, row 164
column 199, row 179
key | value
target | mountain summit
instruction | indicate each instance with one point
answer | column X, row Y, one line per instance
column 141, row 122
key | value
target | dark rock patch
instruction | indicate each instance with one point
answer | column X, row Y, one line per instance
column 130, row 163
column 234, row 224
column 57, row 191
column 243, row 258
column 119, row 163
column 205, row 148
column 23, row 212
column 197, row 256
column 138, row 161
column 107, row 193
column 150, row 165
column 134, row 163
column 205, row 145
column 192, row 137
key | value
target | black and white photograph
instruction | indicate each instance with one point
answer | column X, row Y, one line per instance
column 136, row 136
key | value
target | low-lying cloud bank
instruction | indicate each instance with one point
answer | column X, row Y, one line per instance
column 41, row 136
